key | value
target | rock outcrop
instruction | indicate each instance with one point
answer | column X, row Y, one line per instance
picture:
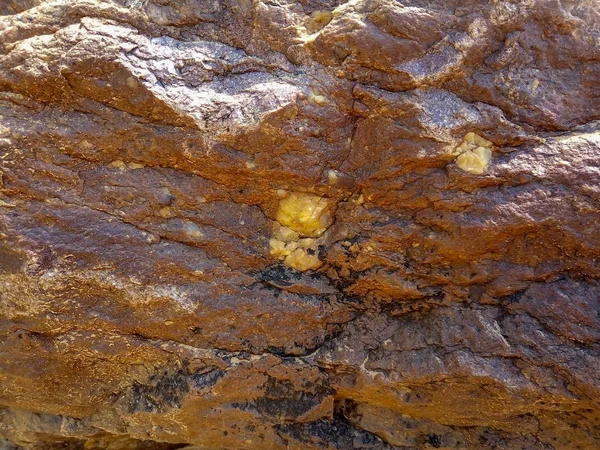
column 299, row 224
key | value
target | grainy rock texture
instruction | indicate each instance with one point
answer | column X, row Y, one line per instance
column 299, row 224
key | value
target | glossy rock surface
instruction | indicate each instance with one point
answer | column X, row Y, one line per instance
column 146, row 147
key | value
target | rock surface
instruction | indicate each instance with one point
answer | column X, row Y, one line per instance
column 150, row 299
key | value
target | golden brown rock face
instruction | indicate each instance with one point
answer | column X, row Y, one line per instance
column 314, row 224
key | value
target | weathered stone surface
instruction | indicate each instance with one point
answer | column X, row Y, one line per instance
column 246, row 224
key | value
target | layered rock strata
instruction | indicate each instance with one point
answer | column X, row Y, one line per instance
column 299, row 224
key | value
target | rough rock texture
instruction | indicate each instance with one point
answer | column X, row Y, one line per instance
column 149, row 299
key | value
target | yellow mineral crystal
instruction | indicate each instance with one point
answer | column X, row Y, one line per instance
column 302, row 260
column 475, row 154
column 308, row 215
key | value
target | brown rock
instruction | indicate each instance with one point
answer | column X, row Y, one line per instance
column 437, row 299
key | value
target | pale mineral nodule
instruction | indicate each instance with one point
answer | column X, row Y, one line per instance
column 296, row 235
column 299, row 254
column 302, row 260
column 315, row 97
column 475, row 154
column 307, row 214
